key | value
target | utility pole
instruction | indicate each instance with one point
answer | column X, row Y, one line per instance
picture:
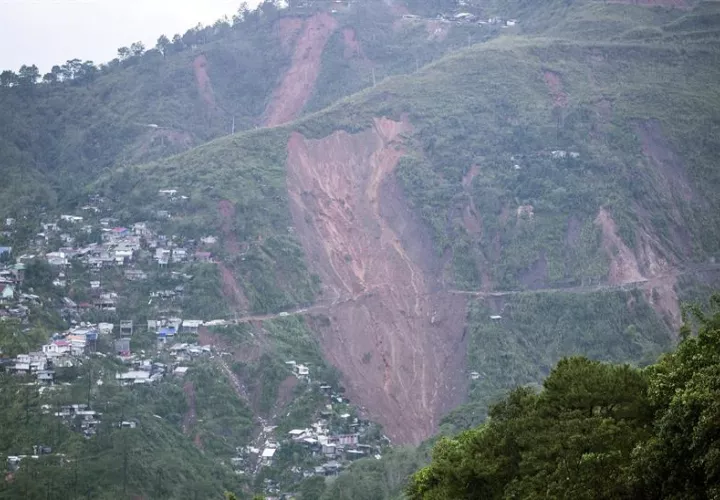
column 233, row 126
column 89, row 385
column 373, row 75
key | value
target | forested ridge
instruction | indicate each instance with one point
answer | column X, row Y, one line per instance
column 597, row 430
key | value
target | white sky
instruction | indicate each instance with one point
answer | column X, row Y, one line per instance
column 48, row 32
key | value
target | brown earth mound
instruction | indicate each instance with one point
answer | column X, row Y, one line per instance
column 394, row 334
column 297, row 84
column 554, row 84
column 232, row 291
column 202, row 80
column 624, row 266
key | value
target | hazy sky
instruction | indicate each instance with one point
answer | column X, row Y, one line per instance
column 47, row 32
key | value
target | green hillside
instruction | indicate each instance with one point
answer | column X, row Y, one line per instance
column 82, row 118
column 444, row 209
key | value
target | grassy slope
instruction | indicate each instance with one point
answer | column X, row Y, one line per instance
column 54, row 135
column 479, row 106
column 161, row 461
column 490, row 101
column 482, row 105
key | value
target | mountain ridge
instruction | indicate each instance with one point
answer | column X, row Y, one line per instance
column 441, row 210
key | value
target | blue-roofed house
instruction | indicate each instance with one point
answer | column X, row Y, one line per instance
column 166, row 332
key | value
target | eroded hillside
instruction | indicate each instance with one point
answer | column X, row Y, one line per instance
column 513, row 170
column 393, row 332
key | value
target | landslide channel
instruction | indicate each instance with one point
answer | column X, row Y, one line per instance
column 394, row 333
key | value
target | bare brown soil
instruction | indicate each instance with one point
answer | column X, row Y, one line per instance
column 624, row 266
column 669, row 171
column 202, row 80
column 555, row 86
column 661, row 295
column 297, row 84
column 231, row 289
column 377, row 261
column 285, row 394
column 645, row 264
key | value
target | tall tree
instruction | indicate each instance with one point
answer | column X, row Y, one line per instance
column 28, row 75
column 162, row 44
column 682, row 460
column 8, row 78
column 123, row 53
column 70, row 69
column 86, row 73
column 137, row 48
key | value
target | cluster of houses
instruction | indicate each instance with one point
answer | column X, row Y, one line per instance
column 62, row 351
column 333, row 440
column 468, row 18
column 79, row 417
column 13, row 303
column 119, row 246
column 167, row 328
column 145, row 370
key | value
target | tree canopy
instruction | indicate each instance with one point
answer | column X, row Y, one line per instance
column 596, row 431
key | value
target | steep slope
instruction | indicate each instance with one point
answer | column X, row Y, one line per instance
column 396, row 336
column 266, row 67
column 521, row 163
column 298, row 82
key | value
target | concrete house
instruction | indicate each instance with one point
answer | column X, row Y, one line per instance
column 191, row 325
column 7, row 292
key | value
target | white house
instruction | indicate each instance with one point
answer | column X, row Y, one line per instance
column 57, row 347
column 191, row 325
column 7, row 292
column 301, row 371
column 267, row 455
column 133, row 377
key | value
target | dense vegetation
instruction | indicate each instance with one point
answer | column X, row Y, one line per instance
column 596, row 431
column 154, row 459
column 631, row 90
column 82, row 118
